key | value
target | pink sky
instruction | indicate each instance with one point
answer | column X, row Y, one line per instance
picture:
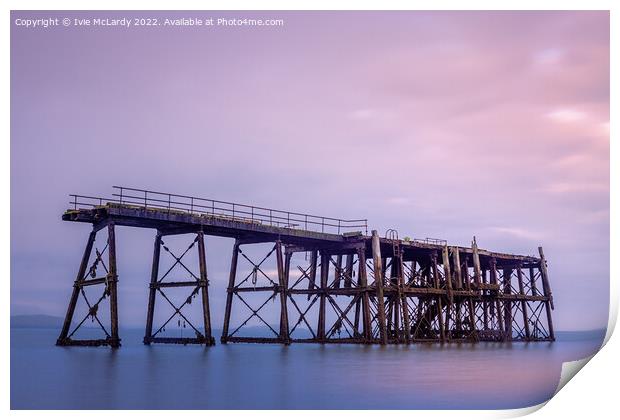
column 441, row 124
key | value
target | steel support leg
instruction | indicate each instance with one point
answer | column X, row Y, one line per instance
column 230, row 291
column 152, row 289
column 283, row 286
column 378, row 269
column 206, row 315
column 115, row 341
column 62, row 339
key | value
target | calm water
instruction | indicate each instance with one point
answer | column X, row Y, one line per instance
column 262, row 376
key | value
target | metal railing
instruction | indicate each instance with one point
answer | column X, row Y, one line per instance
column 432, row 241
column 221, row 209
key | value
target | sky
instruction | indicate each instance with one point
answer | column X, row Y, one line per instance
column 437, row 124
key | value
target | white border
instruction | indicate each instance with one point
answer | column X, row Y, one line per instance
column 592, row 395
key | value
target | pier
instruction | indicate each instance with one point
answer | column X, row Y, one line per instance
column 333, row 280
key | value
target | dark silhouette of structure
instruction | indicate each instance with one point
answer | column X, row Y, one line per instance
column 345, row 287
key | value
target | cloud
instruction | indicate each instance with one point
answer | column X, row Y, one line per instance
column 565, row 187
column 549, row 56
column 519, row 233
column 567, row 116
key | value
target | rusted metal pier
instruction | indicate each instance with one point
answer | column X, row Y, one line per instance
column 331, row 282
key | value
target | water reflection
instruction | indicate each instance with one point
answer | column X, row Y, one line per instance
column 465, row 375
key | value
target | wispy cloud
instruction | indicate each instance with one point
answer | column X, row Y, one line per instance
column 519, row 233
column 576, row 187
column 567, row 115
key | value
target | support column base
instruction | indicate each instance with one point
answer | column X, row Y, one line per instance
column 208, row 341
column 112, row 342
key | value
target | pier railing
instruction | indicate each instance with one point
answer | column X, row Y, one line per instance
column 222, row 209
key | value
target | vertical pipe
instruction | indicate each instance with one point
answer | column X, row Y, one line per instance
column 152, row 289
column 546, row 291
column 323, row 291
column 76, row 288
column 112, row 281
column 283, row 286
column 204, row 288
column 230, row 291
column 378, row 269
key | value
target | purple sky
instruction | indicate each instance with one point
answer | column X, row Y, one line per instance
column 439, row 124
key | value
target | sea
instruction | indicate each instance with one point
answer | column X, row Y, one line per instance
column 299, row 376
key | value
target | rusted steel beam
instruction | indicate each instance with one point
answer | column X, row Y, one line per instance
column 115, row 341
column 312, row 275
column 447, row 273
column 393, row 318
column 183, row 340
column 363, row 283
column 204, row 289
column 496, row 304
column 283, row 288
column 62, row 339
column 517, row 297
column 476, row 261
column 526, row 324
column 439, row 300
column 425, row 291
column 507, row 275
column 335, row 341
column 338, row 271
column 90, row 343
column 167, row 284
column 351, row 291
column 533, row 281
column 236, row 339
column 456, row 262
column 378, row 269
column 323, row 295
column 154, row 276
column 341, row 248
column 403, row 299
column 348, row 270
column 230, row 292
column 93, row 282
column 546, row 291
